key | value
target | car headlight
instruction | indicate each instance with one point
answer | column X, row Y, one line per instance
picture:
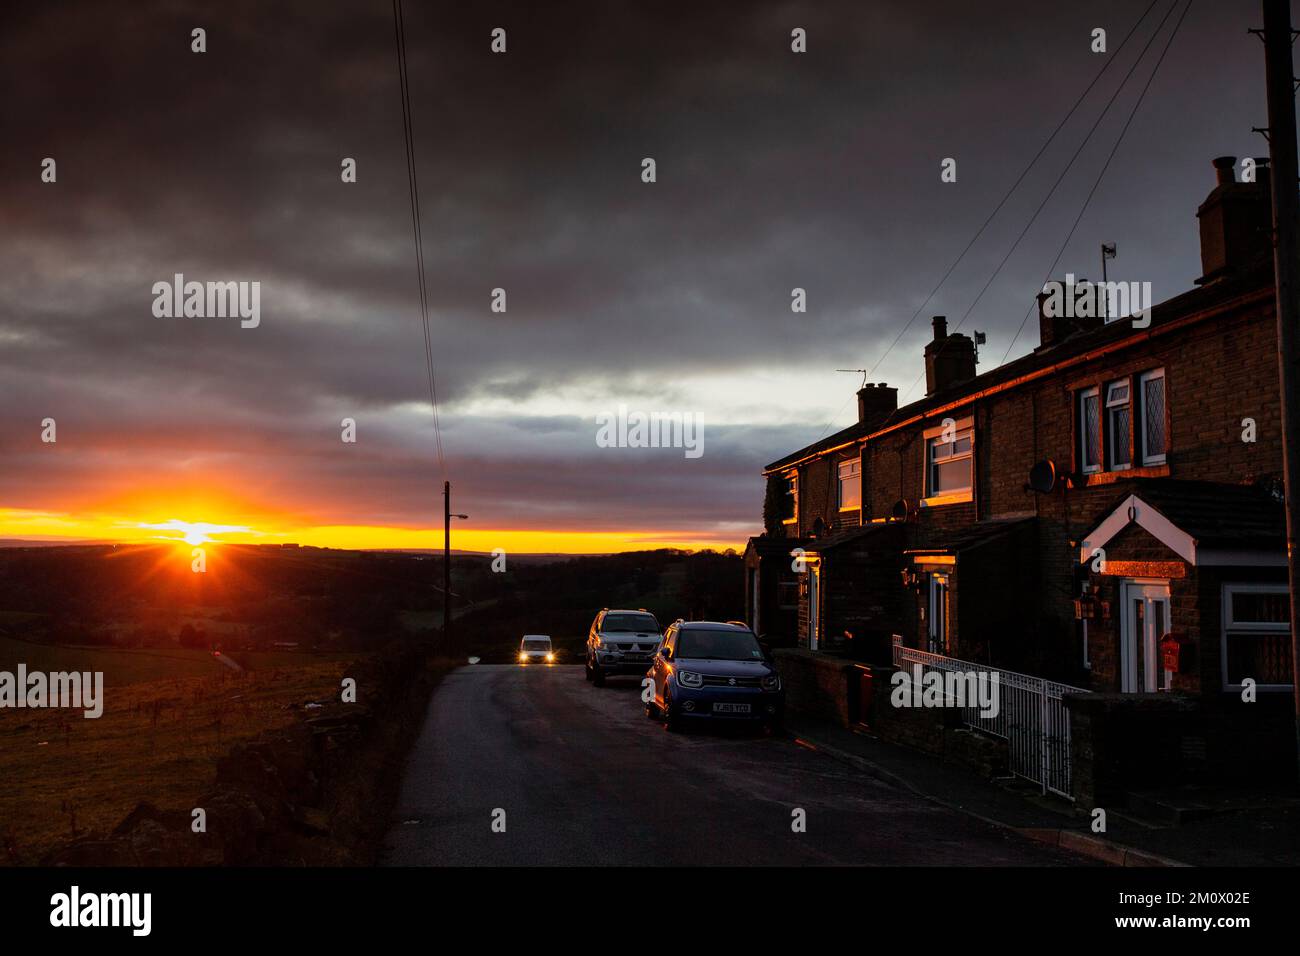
column 523, row 657
column 690, row 679
column 771, row 682
column 550, row 658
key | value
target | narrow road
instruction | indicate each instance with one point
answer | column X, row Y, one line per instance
column 583, row 777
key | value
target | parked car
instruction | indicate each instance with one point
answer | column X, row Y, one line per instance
column 711, row 671
column 621, row 642
column 536, row 649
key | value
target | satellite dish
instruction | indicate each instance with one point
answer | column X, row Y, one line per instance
column 902, row 509
column 1042, row 477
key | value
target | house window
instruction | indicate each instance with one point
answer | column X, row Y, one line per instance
column 949, row 452
column 1090, row 429
column 1257, row 636
column 1118, row 418
column 850, row 484
column 790, row 500
column 1121, row 423
column 1152, row 438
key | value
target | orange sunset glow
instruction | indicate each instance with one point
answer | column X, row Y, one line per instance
column 53, row 527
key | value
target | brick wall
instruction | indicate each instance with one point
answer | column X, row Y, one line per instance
column 1217, row 373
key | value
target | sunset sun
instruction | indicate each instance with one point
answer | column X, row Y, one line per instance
column 194, row 532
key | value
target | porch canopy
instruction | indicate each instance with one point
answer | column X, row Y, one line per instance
column 1204, row 523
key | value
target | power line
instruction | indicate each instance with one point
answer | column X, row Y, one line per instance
column 1060, row 178
column 408, row 132
column 1097, row 182
column 1002, row 202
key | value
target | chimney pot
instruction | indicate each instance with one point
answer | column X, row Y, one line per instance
column 1225, row 168
column 940, row 323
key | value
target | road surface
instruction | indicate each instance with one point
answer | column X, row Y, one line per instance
column 583, row 777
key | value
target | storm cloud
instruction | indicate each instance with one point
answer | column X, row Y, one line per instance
column 775, row 170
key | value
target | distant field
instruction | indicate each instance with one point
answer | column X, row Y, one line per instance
column 157, row 741
column 124, row 666
column 120, row 667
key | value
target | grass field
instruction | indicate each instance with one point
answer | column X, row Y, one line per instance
column 167, row 717
column 125, row 666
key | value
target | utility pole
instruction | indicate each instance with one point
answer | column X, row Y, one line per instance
column 446, row 565
column 1280, row 81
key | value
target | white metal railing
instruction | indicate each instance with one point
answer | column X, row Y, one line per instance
column 1032, row 716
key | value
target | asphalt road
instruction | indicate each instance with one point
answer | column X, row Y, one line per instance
column 583, row 777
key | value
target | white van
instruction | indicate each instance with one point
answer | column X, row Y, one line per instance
column 536, row 649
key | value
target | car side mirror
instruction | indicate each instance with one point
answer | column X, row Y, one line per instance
column 667, row 653
column 766, row 649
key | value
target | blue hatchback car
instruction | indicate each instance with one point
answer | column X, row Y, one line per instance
column 711, row 671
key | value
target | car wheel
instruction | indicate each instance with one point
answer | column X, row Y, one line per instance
column 598, row 676
column 672, row 720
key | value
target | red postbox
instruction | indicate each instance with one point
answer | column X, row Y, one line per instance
column 1174, row 652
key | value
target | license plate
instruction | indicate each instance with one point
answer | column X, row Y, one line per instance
column 731, row 708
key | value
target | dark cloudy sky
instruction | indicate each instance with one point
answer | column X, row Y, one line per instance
column 775, row 170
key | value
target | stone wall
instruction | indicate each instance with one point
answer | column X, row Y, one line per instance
column 314, row 793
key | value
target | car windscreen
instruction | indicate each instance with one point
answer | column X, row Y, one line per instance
column 537, row 645
column 630, row 622
column 718, row 645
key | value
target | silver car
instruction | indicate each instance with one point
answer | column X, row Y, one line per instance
column 621, row 642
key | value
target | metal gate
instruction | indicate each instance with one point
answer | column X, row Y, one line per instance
column 1031, row 717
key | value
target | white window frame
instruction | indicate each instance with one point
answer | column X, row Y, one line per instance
column 1082, row 418
column 1247, row 627
column 1112, row 439
column 1140, row 415
column 855, row 475
column 935, row 435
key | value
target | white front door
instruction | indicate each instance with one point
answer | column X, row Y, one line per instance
column 814, row 607
column 938, row 613
column 1144, row 619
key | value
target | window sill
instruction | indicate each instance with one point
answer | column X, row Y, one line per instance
column 957, row 497
column 850, row 508
column 1097, row 478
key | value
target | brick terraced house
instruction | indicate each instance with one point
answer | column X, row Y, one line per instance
column 1105, row 511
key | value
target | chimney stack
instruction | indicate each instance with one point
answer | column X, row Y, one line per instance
column 949, row 359
column 1236, row 222
column 875, row 403
column 1056, row 328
